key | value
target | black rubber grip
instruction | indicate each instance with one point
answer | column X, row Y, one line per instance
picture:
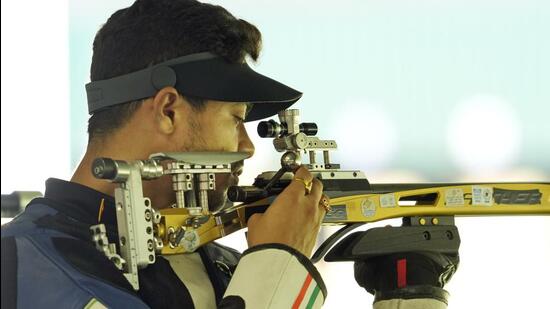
column 245, row 194
column 104, row 168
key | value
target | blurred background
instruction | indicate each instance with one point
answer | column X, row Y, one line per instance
column 412, row 91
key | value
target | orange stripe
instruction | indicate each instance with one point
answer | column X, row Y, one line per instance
column 302, row 294
column 101, row 207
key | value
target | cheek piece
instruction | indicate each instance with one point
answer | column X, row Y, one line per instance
column 202, row 75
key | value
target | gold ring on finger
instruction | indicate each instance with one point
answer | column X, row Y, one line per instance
column 307, row 184
column 325, row 203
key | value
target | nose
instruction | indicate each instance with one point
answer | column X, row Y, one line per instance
column 245, row 144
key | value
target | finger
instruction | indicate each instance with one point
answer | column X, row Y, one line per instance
column 295, row 169
column 316, row 191
column 298, row 186
column 303, row 173
column 324, row 203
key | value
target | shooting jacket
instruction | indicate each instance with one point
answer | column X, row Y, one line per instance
column 49, row 261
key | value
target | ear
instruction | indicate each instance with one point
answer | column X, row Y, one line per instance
column 167, row 109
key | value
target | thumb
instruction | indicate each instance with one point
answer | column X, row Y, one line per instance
column 253, row 220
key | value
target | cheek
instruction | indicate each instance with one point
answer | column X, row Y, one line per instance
column 222, row 138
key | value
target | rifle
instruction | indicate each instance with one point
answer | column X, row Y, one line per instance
column 428, row 210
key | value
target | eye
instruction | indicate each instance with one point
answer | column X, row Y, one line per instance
column 238, row 120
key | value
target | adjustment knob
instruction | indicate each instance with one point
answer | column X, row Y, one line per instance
column 104, row 168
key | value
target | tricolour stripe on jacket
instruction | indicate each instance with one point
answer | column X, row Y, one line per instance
column 308, row 294
column 275, row 278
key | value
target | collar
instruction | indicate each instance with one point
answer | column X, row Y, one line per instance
column 81, row 202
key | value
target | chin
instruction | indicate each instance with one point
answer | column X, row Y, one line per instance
column 217, row 199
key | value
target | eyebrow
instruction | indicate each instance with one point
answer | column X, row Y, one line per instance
column 248, row 106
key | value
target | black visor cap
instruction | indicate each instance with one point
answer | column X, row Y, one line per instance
column 203, row 75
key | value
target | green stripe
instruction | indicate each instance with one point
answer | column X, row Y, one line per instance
column 313, row 297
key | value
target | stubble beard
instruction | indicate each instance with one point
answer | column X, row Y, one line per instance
column 217, row 198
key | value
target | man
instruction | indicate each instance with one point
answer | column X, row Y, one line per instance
column 169, row 75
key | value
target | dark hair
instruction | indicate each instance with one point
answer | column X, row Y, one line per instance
column 153, row 31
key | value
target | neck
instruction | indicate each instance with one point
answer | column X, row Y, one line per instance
column 117, row 149
column 83, row 173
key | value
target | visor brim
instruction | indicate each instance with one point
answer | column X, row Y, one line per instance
column 204, row 76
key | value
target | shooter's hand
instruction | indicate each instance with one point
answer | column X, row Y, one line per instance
column 293, row 219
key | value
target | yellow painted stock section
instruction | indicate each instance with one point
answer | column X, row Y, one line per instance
column 176, row 217
column 359, row 207
column 375, row 207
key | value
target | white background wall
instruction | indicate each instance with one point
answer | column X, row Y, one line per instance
column 412, row 91
column 35, row 94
